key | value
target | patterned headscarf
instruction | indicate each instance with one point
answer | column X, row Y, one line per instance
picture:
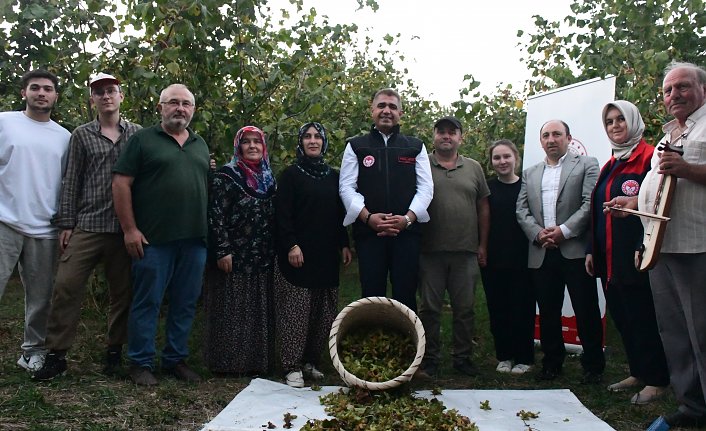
column 258, row 175
column 634, row 124
column 312, row 166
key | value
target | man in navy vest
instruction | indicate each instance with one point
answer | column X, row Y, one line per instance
column 386, row 187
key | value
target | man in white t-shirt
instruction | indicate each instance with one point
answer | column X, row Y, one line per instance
column 33, row 152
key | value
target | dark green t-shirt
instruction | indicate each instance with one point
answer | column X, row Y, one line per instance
column 169, row 191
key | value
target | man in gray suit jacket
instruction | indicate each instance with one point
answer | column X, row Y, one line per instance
column 553, row 211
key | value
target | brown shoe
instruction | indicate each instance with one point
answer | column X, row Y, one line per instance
column 182, row 372
column 142, row 376
column 648, row 394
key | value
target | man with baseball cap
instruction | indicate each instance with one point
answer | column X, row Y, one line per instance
column 89, row 230
column 454, row 242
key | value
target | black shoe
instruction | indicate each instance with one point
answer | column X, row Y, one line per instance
column 113, row 360
column 142, row 376
column 54, row 365
column 680, row 419
column 427, row 371
column 548, row 374
column 466, row 367
column 182, row 372
column 591, row 378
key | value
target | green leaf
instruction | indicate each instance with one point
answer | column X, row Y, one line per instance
column 173, row 68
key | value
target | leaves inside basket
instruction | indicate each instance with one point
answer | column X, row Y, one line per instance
column 375, row 354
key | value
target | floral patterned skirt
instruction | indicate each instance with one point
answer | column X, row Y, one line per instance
column 304, row 318
column 239, row 336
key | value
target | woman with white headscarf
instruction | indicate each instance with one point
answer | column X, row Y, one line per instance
column 611, row 253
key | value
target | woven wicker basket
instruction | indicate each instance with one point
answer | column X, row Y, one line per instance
column 383, row 313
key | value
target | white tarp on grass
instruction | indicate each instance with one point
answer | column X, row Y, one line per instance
column 266, row 401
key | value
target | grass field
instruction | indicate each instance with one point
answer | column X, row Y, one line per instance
column 85, row 399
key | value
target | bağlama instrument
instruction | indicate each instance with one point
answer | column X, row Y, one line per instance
column 648, row 253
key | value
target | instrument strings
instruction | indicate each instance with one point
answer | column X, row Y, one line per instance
column 666, row 146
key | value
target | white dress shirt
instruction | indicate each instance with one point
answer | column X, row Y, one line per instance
column 354, row 201
column 551, row 179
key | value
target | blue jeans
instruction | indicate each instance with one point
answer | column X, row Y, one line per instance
column 174, row 268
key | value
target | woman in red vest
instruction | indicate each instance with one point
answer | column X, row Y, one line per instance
column 611, row 253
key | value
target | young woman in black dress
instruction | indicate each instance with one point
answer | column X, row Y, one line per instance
column 511, row 304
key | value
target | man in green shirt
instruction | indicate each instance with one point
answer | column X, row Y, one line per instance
column 160, row 197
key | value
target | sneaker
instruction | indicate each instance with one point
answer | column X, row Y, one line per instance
column 31, row 363
column 113, row 360
column 182, row 372
column 520, row 369
column 295, row 379
column 311, row 372
column 54, row 365
column 504, row 367
column 142, row 376
column 659, row 424
column 466, row 367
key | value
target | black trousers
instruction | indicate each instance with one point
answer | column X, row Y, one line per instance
column 633, row 313
column 397, row 256
column 548, row 282
column 511, row 308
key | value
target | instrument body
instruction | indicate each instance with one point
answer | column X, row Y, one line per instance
column 654, row 231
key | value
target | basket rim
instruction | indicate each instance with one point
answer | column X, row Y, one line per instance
column 352, row 379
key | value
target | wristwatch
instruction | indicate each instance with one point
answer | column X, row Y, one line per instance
column 409, row 221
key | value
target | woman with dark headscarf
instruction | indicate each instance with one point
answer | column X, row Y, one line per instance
column 238, row 294
column 611, row 251
column 311, row 237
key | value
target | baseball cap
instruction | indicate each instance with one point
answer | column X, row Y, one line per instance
column 451, row 120
column 100, row 77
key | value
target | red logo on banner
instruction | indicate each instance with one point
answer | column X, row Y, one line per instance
column 575, row 146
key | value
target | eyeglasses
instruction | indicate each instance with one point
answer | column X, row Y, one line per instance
column 177, row 103
column 103, row 91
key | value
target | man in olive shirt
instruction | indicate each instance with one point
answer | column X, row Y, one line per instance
column 160, row 196
column 454, row 244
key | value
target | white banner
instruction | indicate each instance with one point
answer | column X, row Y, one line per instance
column 580, row 106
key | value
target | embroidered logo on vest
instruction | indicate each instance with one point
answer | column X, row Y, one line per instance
column 368, row 161
column 407, row 160
column 630, row 188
